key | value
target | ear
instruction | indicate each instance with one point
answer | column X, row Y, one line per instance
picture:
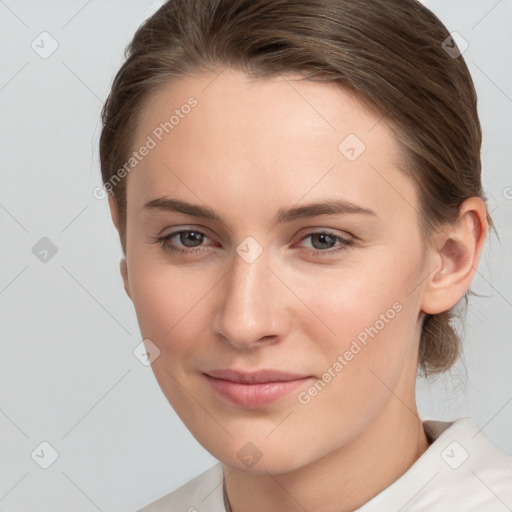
column 123, row 265
column 455, row 255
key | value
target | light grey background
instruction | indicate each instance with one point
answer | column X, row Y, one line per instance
column 68, row 375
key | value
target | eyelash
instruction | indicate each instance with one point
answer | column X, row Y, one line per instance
column 164, row 241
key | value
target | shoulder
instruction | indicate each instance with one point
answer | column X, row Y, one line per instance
column 204, row 492
column 461, row 470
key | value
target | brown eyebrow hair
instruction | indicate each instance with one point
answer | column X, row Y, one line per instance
column 307, row 211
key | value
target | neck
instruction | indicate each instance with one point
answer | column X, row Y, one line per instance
column 345, row 479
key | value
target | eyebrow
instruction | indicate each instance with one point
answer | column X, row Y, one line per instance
column 327, row 207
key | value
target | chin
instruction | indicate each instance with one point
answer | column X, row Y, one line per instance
column 255, row 457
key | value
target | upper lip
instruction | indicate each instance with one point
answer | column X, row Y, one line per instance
column 256, row 377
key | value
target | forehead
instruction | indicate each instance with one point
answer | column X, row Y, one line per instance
column 227, row 136
column 296, row 109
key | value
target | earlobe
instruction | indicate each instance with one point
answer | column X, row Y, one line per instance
column 456, row 257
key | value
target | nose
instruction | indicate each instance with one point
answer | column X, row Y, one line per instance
column 252, row 308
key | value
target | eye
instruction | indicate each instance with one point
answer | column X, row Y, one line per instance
column 324, row 243
column 190, row 240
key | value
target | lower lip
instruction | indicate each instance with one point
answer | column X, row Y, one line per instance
column 252, row 396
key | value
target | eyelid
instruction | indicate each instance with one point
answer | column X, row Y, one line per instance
column 185, row 227
column 347, row 237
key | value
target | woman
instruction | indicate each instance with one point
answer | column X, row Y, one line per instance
column 296, row 186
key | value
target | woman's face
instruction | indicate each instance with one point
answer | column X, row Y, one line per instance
column 286, row 303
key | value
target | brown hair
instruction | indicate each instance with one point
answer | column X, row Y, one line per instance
column 393, row 55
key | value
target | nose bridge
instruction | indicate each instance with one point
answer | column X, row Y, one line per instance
column 251, row 307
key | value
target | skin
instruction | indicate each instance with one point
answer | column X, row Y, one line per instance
column 249, row 148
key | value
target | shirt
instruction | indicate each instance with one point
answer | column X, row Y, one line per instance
column 461, row 471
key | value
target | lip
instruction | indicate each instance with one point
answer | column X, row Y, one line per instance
column 252, row 390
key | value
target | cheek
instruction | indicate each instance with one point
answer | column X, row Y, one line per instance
column 358, row 296
column 170, row 304
column 370, row 332
column 372, row 315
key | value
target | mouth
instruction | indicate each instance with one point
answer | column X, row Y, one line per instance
column 252, row 390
